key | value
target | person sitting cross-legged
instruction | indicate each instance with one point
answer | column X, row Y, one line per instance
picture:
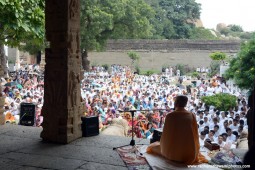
column 179, row 141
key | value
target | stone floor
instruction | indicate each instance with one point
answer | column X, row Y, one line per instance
column 22, row 148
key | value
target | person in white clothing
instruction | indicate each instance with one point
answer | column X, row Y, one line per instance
column 201, row 126
column 231, row 137
column 209, row 90
column 242, row 117
column 231, row 115
column 223, row 117
column 228, row 143
column 206, row 122
column 241, row 123
column 223, row 129
column 210, row 136
column 200, row 116
column 240, row 129
column 220, row 141
column 216, row 130
column 202, row 138
column 215, row 122
column 234, row 126
column 218, row 89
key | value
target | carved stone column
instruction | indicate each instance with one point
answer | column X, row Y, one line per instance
column 62, row 105
column 2, row 116
column 2, row 99
column 17, row 62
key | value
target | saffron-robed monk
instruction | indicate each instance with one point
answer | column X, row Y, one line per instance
column 179, row 140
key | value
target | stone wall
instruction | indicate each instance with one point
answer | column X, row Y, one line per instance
column 173, row 45
column 156, row 53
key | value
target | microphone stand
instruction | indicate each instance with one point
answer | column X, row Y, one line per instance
column 132, row 142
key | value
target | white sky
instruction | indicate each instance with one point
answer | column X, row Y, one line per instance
column 239, row 12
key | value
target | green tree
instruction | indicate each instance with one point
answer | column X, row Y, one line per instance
column 242, row 68
column 104, row 19
column 246, row 35
column 33, row 46
column 222, row 102
column 184, row 69
column 225, row 31
column 218, row 56
column 201, row 34
column 236, row 28
column 135, row 58
column 19, row 20
column 181, row 67
column 214, row 68
column 182, row 14
column 163, row 27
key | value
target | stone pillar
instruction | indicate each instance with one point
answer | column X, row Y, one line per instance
column 3, row 62
column 62, row 105
column 2, row 99
column 42, row 63
column 17, row 62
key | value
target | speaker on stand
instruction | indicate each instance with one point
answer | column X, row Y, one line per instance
column 90, row 126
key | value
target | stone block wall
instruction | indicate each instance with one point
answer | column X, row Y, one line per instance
column 156, row 53
column 173, row 45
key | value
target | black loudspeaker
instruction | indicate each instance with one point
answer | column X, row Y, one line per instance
column 27, row 114
column 156, row 135
column 90, row 126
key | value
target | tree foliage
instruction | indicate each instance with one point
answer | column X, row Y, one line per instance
column 21, row 19
column 201, row 34
column 163, row 27
column 173, row 19
column 242, row 68
column 222, row 101
column 218, row 56
column 182, row 14
column 214, row 68
column 33, row 46
column 225, row 31
column 104, row 19
column 135, row 57
column 234, row 31
column 236, row 28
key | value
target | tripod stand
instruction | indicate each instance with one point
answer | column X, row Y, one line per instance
column 132, row 142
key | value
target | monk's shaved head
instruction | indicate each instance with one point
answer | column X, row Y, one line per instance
column 181, row 101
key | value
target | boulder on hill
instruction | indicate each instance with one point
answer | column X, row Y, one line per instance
column 221, row 26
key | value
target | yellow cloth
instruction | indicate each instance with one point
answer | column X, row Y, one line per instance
column 179, row 141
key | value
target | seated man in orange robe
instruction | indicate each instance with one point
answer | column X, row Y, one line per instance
column 179, row 140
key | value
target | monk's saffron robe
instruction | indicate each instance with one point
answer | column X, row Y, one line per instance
column 180, row 140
